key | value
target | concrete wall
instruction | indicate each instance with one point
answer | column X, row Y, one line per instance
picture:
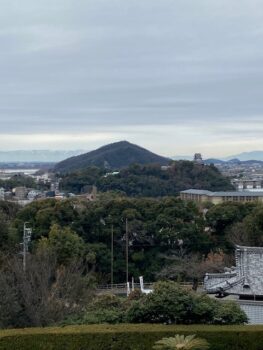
column 253, row 309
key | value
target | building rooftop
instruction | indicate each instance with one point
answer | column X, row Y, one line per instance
column 245, row 279
column 224, row 193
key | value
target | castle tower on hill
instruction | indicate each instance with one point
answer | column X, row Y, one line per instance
column 198, row 159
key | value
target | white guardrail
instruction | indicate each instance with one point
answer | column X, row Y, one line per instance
column 136, row 285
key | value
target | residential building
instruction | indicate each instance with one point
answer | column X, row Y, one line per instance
column 33, row 194
column 20, row 193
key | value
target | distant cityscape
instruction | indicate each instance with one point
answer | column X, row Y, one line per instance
column 246, row 176
column 47, row 184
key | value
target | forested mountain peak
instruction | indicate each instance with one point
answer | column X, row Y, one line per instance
column 116, row 155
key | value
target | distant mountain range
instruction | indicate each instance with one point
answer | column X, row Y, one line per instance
column 253, row 155
column 243, row 157
column 45, row 156
column 231, row 161
column 55, row 156
column 116, row 155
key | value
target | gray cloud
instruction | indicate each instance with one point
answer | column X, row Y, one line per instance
column 98, row 65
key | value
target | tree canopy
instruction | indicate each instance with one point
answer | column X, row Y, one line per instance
column 149, row 180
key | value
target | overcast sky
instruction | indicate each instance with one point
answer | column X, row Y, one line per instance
column 175, row 76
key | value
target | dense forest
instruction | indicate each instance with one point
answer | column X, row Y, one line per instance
column 161, row 231
column 70, row 253
column 149, row 180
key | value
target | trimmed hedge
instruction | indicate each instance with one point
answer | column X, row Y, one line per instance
column 127, row 337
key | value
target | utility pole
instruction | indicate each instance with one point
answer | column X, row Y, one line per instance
column 112, row 257
column 27, row 233
column 127, row 252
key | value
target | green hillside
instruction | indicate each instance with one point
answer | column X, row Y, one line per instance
column 113, row 156
column 150, row 180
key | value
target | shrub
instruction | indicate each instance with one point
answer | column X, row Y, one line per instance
column 135, row 295
column 229, row 312
column 128, row 337
column 171, row 304
column 167, row 304
column 111, row 316
column 106, row 308
column 105, row 301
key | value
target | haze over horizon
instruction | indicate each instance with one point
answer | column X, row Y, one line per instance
column 49, row 155
column 172, row 76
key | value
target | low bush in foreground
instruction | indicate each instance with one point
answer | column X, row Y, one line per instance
column 128, row 337
column 172, row 304
column 168, row 304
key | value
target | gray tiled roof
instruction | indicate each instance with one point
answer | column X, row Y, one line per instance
column 224, row 194
column 245, row 279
